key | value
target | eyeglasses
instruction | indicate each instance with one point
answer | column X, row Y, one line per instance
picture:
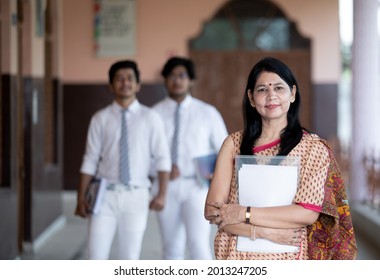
column 181, row 76
column 123, row 79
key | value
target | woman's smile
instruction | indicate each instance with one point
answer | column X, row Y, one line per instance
column 272, row 106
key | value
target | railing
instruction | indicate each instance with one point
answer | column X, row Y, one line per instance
column 372, row 170
column 372, row 166
column 342, row 156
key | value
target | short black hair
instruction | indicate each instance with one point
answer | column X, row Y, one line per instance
column 176, row 61
column 122, row 64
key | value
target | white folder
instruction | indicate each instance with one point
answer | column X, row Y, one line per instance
column 265, row 181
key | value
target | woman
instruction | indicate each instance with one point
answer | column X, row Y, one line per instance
column 271, row 127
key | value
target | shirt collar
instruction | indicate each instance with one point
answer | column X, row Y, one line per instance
column 185, row 103
column 132, row 108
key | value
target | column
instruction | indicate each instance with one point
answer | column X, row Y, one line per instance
column 365, row 94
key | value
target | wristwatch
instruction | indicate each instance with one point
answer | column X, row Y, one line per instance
column 248, row 215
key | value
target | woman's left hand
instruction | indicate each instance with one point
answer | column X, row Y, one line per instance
column 223, row 214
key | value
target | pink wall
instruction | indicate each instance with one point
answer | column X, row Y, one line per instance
column 318, row 20
column 163, row 28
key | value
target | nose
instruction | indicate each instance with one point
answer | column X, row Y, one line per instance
column 271, row 94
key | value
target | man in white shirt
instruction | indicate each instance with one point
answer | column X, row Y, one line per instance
column 201, row 131
column 135, row 131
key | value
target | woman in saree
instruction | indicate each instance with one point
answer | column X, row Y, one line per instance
column 272, row 127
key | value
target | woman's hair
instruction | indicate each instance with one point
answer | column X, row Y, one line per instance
column 176, row 61
column 123, row 64
column 292, row 133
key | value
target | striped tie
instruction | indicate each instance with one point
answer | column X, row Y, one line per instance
column 124, row 160
column 175, row 136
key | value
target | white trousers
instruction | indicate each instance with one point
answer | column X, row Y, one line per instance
column 182, row 222
column 124, row 212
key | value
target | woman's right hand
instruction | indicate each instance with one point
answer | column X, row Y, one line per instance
column 291, row 236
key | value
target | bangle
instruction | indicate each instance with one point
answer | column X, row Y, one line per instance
column 248, row 215
column 253, row 233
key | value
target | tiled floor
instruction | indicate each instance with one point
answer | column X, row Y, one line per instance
column 367, row 228
column 366, row 249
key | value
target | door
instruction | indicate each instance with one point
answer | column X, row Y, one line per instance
column 241, row 33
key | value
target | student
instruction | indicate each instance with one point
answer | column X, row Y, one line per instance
column 200, row 131
column 122, row 139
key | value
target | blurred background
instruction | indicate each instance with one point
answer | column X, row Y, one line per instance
column 54, row 61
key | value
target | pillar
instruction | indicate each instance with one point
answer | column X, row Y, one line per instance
column 365, row 94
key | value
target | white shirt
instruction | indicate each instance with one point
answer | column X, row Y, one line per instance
column 202, row 130
column 146, row 142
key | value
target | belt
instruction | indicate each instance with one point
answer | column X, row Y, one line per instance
column 189, row 177
column 120, row 187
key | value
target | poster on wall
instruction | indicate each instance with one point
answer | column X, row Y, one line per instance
column 114, row 27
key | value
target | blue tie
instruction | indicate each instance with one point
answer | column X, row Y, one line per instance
column 174, row 151
column 124, row 159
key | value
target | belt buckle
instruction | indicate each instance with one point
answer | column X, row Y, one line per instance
column 121, row 187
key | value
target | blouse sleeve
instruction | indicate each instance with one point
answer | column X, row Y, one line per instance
column 314, row 166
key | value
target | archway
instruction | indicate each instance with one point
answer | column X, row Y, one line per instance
column 240, row 33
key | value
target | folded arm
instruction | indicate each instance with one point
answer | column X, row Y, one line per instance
column 278, row 223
